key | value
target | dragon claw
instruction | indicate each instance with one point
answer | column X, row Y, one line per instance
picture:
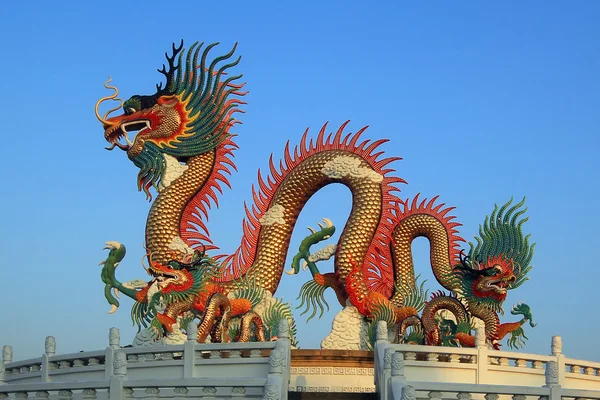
column 290, row 271
column 304, row 265
column 112, row 245
column 113, row 308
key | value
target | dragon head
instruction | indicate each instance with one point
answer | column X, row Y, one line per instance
column 191, row 115
column 170, row 279
column 489, row 280
column 499, row 262
column 180, row 276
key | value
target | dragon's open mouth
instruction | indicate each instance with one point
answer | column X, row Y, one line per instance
column 114, row 134
column 164, row 278
column 501, row 284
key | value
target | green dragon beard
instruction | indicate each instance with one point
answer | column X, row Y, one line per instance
column 152, row 167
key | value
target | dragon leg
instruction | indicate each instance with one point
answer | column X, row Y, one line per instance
column 217, row 302
column 370, row 302
column 312, row 292
column 219, row 328
column 249, row 319
column 169, row 317
column 517, row 334
column 116, row 254
column 438, row 302
column 416, row 337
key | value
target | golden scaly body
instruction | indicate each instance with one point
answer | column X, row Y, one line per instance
column 292, row 195
column 165, row 214
column 411, row 227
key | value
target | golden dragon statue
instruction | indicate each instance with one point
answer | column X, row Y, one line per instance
column 181, row 140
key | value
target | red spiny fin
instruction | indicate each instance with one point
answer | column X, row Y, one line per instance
column 437, row 211
column 192, row 227
column 378, row 271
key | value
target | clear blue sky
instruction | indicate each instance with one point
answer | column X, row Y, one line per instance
column 482, row 101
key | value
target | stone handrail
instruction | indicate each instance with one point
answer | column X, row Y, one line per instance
column 251, row 370
column 480, row 369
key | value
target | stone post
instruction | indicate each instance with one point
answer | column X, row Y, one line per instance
column 271, row 392
column 398, row 366
column 6, row 358
column 189, row 350
column 383, row 375
column 397, row 381
column 556, row 348
column 7, row 354
column 275, row 382
column 556, row 345
column 120, row 373
column 381, row 343
column 50, row 350
column 552, row 380
column 482, row 355
column 381, row 332
column 284, row 343
column 114, row 338
column 50, row 346
column 120, row 364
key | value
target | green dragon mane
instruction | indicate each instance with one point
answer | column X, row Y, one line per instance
column 500, row 235
column 208, row 102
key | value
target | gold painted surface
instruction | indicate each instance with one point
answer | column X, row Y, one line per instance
column 411, row 227
column 165, row 215
column 441, row 303
column 166, row 211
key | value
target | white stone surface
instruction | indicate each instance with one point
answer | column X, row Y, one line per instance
column 347, row 331
column 135, row 284
column 144, row 338
column 178, row 244
column 323, row 254
column 273, row 215
column 174, row 169
column 342, row 166
column 175, row 337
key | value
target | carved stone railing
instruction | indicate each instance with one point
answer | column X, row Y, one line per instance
column 480, row 371
column 246, row 370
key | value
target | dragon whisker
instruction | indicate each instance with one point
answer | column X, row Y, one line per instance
column 110, row 97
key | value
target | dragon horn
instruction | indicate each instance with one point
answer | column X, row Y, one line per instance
column 311, row 229
column 320, row 226
column 113, row 308
column 102, row 263
column 328, row 222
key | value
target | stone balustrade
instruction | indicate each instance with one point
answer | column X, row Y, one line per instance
column 246, row 370
column 432, row 372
